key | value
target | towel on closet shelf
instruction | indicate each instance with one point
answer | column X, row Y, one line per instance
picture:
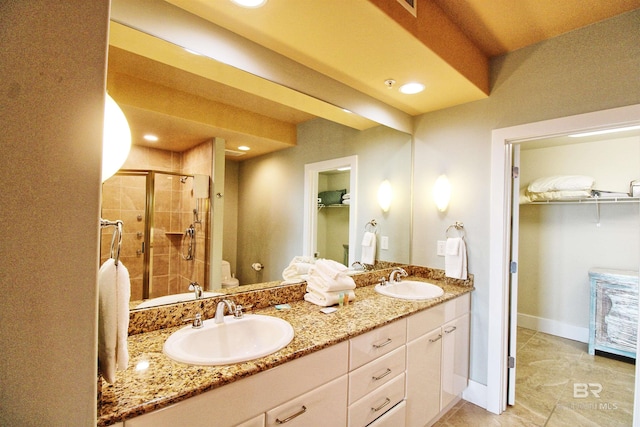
column 114, row 291
column 368, row 248
column 455, row 258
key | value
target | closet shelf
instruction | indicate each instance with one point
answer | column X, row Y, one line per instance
column 591, row 200
column 338, row 205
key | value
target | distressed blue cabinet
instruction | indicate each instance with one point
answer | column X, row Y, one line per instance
column 613, row 325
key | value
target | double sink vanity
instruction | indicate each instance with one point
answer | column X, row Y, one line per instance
column 399, row 358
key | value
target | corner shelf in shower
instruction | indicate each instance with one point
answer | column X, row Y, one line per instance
column 174, row 233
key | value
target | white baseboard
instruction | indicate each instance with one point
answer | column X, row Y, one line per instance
column 476, row 393
column 553, row 327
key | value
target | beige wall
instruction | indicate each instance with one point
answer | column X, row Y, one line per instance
column 591, row 69
column 560, row 243
column 52, row 64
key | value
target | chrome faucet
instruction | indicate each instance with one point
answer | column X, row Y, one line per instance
column 393, row 276
column 196, row 288
column 197, row 321
column 231, row 307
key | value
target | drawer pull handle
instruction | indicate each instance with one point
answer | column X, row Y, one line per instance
column 382, row 376
column 387, row 342
column 297, row 414
column 435, row 339
column 448, row 331
column 386, row 402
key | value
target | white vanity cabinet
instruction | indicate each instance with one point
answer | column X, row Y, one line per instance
column 377, row 378
column 306, row 381
column 437, row 359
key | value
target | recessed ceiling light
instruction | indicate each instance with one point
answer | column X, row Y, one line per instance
column 411, row 88
column 244, row 148
column 604, row 131
column 250, row 3
column 151, row 138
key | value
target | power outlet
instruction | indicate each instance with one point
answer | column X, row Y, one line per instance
column 384, row 242
column 441, row 247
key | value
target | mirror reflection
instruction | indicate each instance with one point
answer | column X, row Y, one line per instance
column 262, row 195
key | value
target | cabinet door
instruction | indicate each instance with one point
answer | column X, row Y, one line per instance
column 423, row 378
column 253, row 422
column 455, row 359
column 324, row 406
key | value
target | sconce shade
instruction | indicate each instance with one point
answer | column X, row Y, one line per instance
column 116, row 138
column 442, row 193
column 385, row 194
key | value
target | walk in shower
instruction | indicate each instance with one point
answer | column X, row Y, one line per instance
column 166, row 227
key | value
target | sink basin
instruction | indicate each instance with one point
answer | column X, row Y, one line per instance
column 411, row 290
column 171, row 299
column 234, row 341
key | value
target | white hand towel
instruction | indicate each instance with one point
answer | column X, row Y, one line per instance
column 368, row 248
column 114, row 291
column 297, row 269
column 326, row 299
column 326, row 284
column 328, row 268
column 455, row 259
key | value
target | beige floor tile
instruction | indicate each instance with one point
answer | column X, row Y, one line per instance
column 550, row 390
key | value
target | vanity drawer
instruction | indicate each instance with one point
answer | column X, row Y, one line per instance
column 376, row 403
column 376, row 343
column 324, row 406
column 376, row 373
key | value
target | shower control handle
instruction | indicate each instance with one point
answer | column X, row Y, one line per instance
column 141, row 250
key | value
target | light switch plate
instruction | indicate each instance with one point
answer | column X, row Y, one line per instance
column 441, row 247
column 384, row 242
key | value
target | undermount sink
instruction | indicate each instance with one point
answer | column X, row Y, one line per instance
column 234, row 341
column 172, row 299
column 410, row 289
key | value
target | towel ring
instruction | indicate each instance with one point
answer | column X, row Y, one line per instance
column 459, row 227
column 371, row 226
column 116, row 238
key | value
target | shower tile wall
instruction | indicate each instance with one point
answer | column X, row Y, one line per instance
column 124, row 198
column 174, row 205
column 198, row 161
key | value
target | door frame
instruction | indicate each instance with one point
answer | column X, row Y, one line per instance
column 499, row 226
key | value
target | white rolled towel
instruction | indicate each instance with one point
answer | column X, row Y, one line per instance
column 327, row 275
column 328, row 268
column 298, row 268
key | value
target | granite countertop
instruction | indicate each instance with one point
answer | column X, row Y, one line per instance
column 154, row 381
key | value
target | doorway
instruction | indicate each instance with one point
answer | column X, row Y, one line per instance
column 500, row 214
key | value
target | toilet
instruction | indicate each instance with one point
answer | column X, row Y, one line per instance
column 227, row 280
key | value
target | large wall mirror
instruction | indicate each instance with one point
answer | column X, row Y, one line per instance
column 262, row 195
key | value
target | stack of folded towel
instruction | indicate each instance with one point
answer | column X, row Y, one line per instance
column 298, row 269
column 558, row 187
column 326, row 281
column 346, row 199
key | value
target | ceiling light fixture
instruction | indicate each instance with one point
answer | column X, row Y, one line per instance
column 250, row 3
column 244, row 148
column 151, row 138
column 411, row 88
column 604, row 131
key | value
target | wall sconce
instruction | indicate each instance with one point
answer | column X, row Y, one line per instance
column 116, row 138
column 385, row 194
column 442, row 193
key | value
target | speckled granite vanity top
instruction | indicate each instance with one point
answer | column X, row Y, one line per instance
column 153, row 381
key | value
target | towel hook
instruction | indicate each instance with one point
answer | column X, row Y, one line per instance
column 371, row 226
column 458, row 226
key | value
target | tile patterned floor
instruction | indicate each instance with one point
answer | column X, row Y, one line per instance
column 550, row 374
